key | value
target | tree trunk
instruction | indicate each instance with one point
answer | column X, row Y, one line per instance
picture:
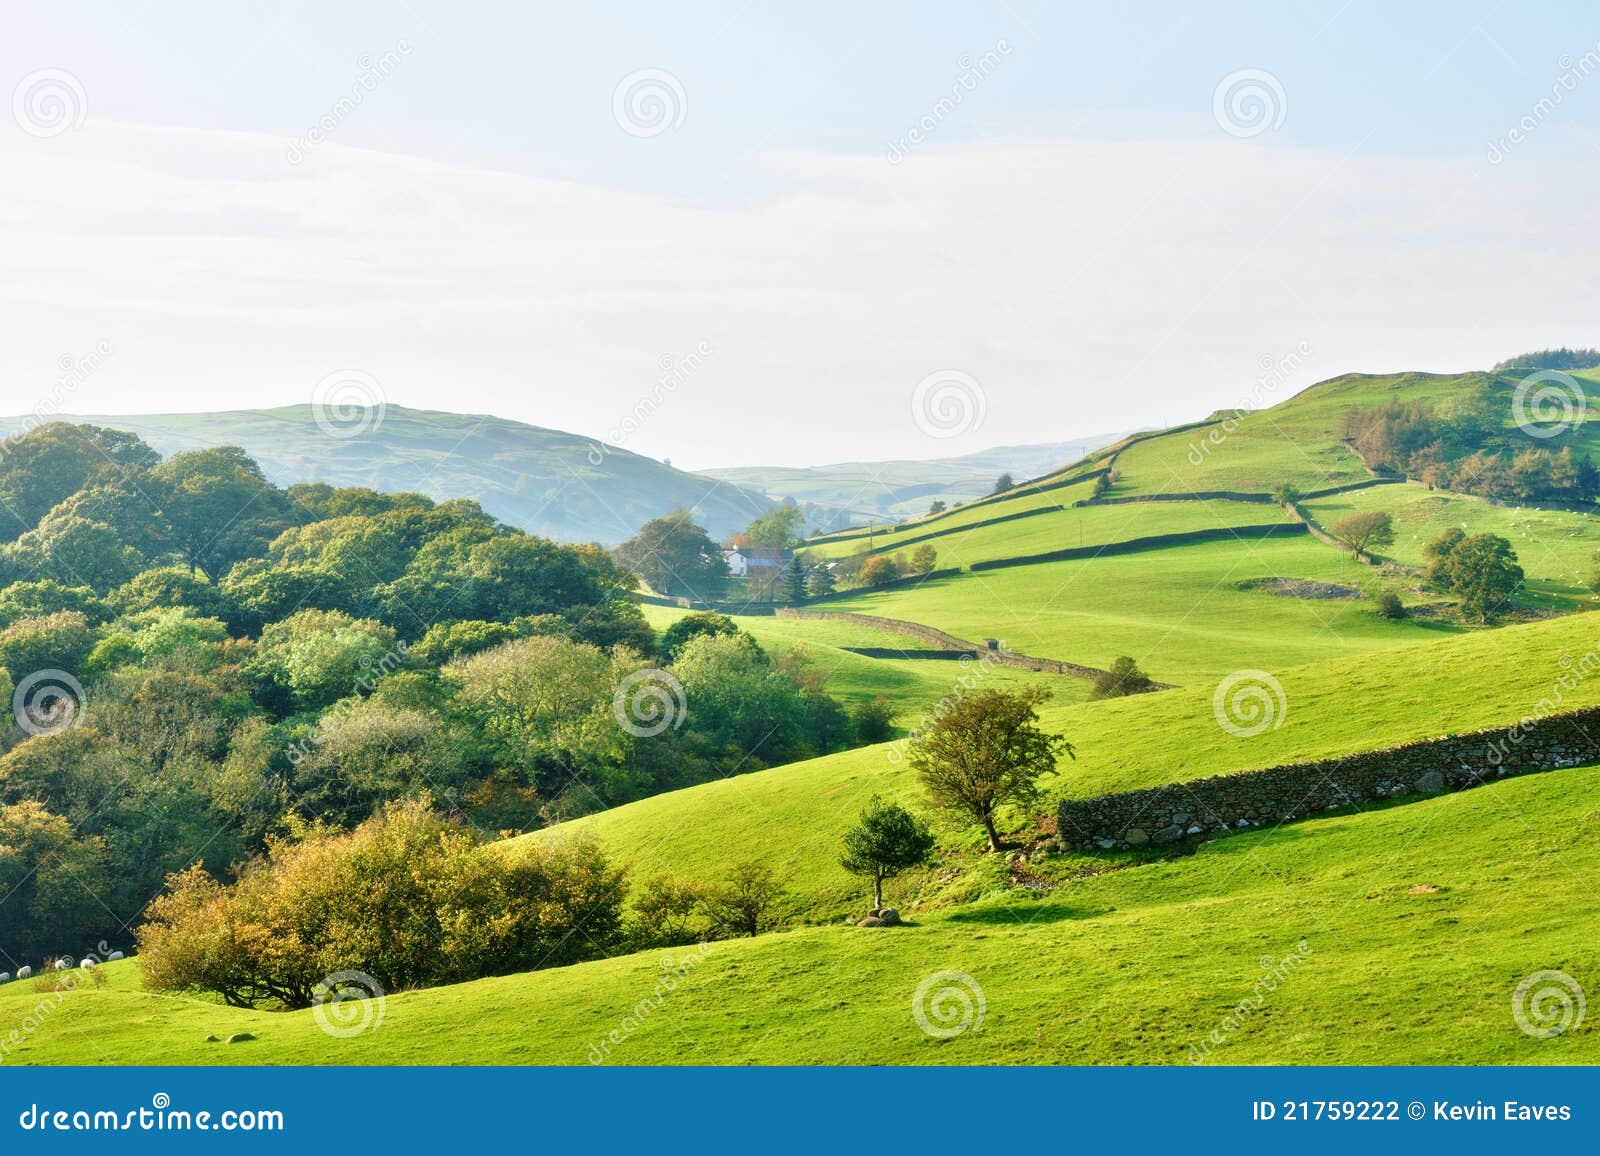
column 877, row 892
column 994, row 836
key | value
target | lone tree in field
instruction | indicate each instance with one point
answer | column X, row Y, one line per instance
column 1482, row 571
column 1365, row 532
column 885, row 841
column 742, row 903
column 1123, row 678
column 984, row 752
column 1003, row 483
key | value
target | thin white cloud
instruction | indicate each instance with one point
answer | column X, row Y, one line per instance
column 1086, row 285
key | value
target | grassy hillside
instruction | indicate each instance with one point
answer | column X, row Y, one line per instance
column 1178, row 610
column 542, row 480
column 1410, row 927
column 914, row 685
column 794, row 816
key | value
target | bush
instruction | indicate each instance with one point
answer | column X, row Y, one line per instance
column 1124, row 678
column 664, row 911
column 742, row 904
column 1390, row 606
column 409, row 898
column 1286, row 494
column 880, row 568
column 874, row 719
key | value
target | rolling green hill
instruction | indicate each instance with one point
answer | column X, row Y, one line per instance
column 541, row 480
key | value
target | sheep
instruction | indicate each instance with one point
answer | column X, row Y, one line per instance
column 24, row 972
column 63, row 964
column 88, row 965
column 5, row 977
column 115, row 955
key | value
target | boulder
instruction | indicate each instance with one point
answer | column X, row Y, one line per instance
column 1431, row 783
column 1167, row 835
column 240, row 1037
column 1134, row 837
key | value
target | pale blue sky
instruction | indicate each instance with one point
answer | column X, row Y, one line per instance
column 1078, row 235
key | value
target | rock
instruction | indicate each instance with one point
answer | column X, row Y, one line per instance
column 1105, row 844
column 890, row 917
column 212, row 1040
column 240, row 1037
column 872, row 921
column 1167, row 835
column 1194, row 830
column 1242, row 823
column 1431, row 783
column 1134, row 837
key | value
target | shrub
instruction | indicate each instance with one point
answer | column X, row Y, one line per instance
column 1124, row 678
column 1286, row 494
column 880, row 568
column 1390, row 606
column 874, row 719
column 676, row 636
column 409, row 898
column 664, row 910
column 742, row 903
column 923, row 559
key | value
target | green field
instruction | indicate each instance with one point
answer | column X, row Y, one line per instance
column 1416, row 921
column 1177, row 610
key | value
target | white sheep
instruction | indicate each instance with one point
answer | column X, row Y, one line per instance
column 88, row 965
column 63, row 964
column 5, row 977
column 115, row 955
column 24, row 972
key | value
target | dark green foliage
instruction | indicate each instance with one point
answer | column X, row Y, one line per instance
column 794, row 579
column 1124, row 678
column 886, row 840
column 694, row 625
column 1482, row 571
column 874, row 719
column 1003, row 483
column 1390, row 606
column 1561, row 359
column 675, row 557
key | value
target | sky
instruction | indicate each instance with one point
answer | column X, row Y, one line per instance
column 740, row 234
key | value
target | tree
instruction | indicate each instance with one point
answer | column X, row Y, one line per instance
column 874, row 719
column 984, row 752
column 937, row 507
column 1124, row 678
column 1003, row 483
column 1482, row 571
column 795, row 580
column 674, row 637
column 1365, row 532
column 923, row 559
column 675, row 556
column 52, row 880
column 878, row 569
column 1286, row 494
column 885, row 841
column 820, row 581
column 1436, row 553
column 1390, row 606
column 777, row 529
column 221, row 506
column 742, row 903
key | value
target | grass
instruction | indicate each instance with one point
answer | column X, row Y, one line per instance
column 913, row 684
column 1555, row 547
column 1178, row 610
column 1412, row 925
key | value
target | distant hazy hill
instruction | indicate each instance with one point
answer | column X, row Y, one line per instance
column 543, row 480
column 874, row 490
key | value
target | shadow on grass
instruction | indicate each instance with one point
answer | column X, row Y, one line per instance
column 995, row 915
